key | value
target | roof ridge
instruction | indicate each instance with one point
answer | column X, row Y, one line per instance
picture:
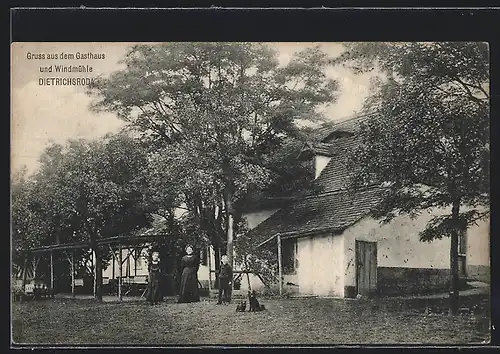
column 347, row 119
column 336, row 191
column 343, row 189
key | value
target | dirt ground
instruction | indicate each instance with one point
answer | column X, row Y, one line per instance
column 286, row 321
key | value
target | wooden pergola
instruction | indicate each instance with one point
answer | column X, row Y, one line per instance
column 117, row 243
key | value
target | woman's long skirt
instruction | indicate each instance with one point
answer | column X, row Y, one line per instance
column 189, row 286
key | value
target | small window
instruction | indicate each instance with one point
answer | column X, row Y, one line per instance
column 288, row 256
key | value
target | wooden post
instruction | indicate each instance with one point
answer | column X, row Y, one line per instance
column 209, row 260
column 25, row 270
column 280, row 265
column 136, row 256
column 127, row 269
column 248, row 276
column 120, row 271
column 114, row 261
column 73, row 273
column 94, row 270
column 34, row 264
column 52, row 272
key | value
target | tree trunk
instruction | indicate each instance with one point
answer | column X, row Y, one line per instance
column 454, row 274
column 230, row 221
column 98, row 271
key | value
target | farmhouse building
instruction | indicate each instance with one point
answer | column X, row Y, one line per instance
column 330, row 246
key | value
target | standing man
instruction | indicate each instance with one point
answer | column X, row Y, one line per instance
column 225, row 281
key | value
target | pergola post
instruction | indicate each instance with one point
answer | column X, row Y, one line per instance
column 209, row 260
column 73, row 273
column 280, row 265
column 25, row 271
column 127, row 268
column 136, row 257
column 71, row 260
column 34, row 263
column 52, row 272
column 120, row 270
column 94, row 271
column 114, row 260
column 248, row 276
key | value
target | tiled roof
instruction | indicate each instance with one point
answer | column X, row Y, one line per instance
column 349, row 124
column 339, row 146
column 335, row 174
column 334, row 208
column 331, row 211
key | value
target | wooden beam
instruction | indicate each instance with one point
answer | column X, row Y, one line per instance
column 120, row 265
column 264, row 282
column 129, row 252
column 280, row 265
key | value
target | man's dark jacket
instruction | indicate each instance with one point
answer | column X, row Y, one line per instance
column 226, row 272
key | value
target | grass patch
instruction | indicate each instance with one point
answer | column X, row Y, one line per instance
column 286, row 321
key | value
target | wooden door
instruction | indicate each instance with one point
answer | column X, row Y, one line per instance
column 366, row 267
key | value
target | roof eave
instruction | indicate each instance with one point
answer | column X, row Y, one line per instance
column 294, row 234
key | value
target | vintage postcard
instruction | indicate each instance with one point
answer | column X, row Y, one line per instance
column 213, row 193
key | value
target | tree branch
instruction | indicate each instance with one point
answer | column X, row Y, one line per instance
column 467, row 89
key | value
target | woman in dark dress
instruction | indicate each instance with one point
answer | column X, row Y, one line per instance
column 154, row 294
column 189, row 279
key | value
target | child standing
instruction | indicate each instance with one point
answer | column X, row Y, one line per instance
column 154, row 294
column 225, row 281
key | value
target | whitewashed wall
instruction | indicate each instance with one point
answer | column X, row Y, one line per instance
column 320, row 262
column 478, row 245
column 398, row 245
column 203, row 271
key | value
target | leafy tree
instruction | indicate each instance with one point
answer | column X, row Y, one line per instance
column 428, row 135
column 210, row 113
column 83, row 191
column 24, row 221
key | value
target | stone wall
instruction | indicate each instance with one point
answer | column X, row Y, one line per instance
column 399, row 281
column 479, row 272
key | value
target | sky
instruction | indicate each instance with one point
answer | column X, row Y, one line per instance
column 41, row 113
